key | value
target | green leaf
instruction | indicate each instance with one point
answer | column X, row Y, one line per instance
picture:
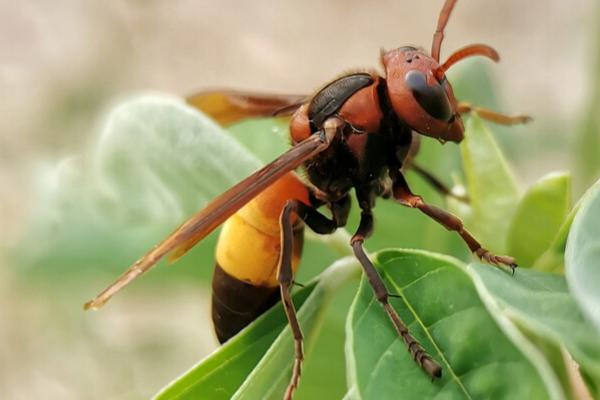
column 271, row 376
column 266, row 138
column 220, row 374
column 582, row 257
column 257, row 362
column 553, row 259
column 587, row 140
column 159, row 157
column 491, row 186
column 540, row 305
column 443, row 311
column 156, row 162
column 538, row 218
column 473, row 81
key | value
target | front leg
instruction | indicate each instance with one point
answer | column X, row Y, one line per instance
column 493, row 116
column 404, row 196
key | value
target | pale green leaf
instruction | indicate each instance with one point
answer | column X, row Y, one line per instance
column 156, row 162
column 539, row 304
column 582, row 257
column 553, row 259
column 587, row 140
column 538, row 218
column 265, row 138
column 491, row 186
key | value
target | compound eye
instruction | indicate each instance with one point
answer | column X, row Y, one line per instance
column 432, row 99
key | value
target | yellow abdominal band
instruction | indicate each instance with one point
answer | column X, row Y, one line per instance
column 248, row 253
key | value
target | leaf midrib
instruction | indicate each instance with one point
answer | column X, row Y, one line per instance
column 400, row 290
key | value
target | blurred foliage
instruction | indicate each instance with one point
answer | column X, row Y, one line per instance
column 587, row 144
column 536, row 310
column 540, row 214
column 492, row 187
column 583, row 255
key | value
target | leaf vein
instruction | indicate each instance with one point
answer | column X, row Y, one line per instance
column 379, row 362
column 495, row 362
column 454, row 314
column 365, row 311
column 420, row 322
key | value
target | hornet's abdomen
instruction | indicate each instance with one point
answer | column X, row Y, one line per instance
column 245, row 278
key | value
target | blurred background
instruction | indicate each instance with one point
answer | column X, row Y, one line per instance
column 64, row 63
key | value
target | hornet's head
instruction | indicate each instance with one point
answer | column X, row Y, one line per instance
column 419, row 91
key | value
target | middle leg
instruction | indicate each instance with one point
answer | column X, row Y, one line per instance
column 421, row 357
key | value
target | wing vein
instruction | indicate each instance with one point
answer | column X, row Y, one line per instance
column 215, row 213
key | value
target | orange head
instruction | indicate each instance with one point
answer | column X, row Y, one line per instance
column 418, row 89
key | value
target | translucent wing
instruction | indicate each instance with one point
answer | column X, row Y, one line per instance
column 230, row 106
column 215, row 213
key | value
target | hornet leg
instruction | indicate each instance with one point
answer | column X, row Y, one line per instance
column 320, row 224
column 404, row 196
column 492, row 116
column 417, row 352
column 437, row 184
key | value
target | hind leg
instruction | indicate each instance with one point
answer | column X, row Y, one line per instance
column 285, row 276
